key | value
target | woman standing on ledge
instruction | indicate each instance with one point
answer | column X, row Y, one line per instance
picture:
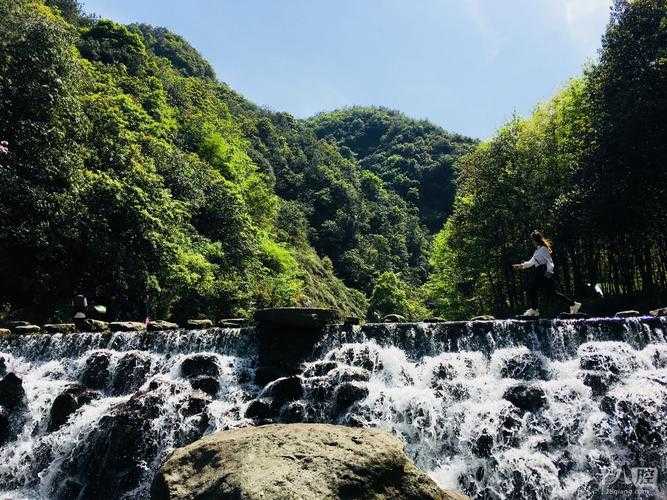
column 543, row 276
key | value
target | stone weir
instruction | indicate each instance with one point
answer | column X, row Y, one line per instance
column 283, row 338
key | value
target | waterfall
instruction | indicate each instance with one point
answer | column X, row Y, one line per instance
column 495, row 409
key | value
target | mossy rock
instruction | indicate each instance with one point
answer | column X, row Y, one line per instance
column 295, row 461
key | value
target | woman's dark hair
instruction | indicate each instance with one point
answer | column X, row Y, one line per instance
column 541, row 240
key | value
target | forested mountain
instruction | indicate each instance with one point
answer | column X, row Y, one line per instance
column 414, row 157
column 135, row 177
column 589, row 168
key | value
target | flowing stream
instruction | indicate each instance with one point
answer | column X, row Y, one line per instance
column 499, row 410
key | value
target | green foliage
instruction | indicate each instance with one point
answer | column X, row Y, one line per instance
column 587, row 168
column 132, row 183
column 177, row 50
column 414, row 157
column 391, row 295
column 112, row 43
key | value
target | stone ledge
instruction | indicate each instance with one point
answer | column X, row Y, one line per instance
column 296, row 317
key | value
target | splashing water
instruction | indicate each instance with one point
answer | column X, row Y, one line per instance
column 493, row 409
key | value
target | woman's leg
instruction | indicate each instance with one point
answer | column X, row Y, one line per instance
column 533, row 288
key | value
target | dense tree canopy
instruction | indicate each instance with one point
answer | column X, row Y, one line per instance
column 414, row 157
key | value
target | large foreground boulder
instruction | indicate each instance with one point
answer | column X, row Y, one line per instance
column 294, row 461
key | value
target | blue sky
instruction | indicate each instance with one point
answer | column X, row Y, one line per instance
column 466, row 65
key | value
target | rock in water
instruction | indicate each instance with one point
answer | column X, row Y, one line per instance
column 95, row 373
column 60, row 328
column 526, row 397
column 631, row 313
column 284, row 389
column 27, row 330
column 130, row 373
column 12, row 407
column 662, row 311
column 95, row 325
column 127, row 326
column 197, row 324
column 200, row 364
column 161, row 326
column 394, row 318
column 12, row 395
column 295, row 461
column 67, row 402
column 483, row 317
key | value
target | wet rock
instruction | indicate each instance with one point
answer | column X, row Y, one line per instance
column 130, row 372
column 639, row 415
column 295, row 461
column 161, row 326
column 614, row 357
column 394, row 318
column 284, row 390
column 113, row 457
column 454, row 366
column 628, row 314
column 520, row 474
column 483, row 317
column 347, row 394
column 319, row 368
column 196, row 404
column 205, row 383
column 294, row 412
column 197, row 324
column 95, row 325
column 260, row 409
column 244, row 376
column 351, row 321
column 662, row 311
column 5, row 426
column 604, row 364
column 12, row 407
column 483, row 445
column 14, row 324
column 526, row 397
column 435, row 319
column 363, row 356
column 67, row 402
column 95, row 373
column 657, row 353
column 3, row 367
column 349, row 374
column 296, row 317
column 233, row 323
column 200, row 364
column 27, row 330
column 60, row 328
column 127, row 326
column 520, row 363
column 12, row 394
column 112, row 461
column 599, row 382
column 266, row 374
column 4, row 332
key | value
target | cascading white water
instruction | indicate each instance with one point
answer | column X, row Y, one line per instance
column 504, row 411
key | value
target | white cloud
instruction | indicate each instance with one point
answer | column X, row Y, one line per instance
column 585, row 19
